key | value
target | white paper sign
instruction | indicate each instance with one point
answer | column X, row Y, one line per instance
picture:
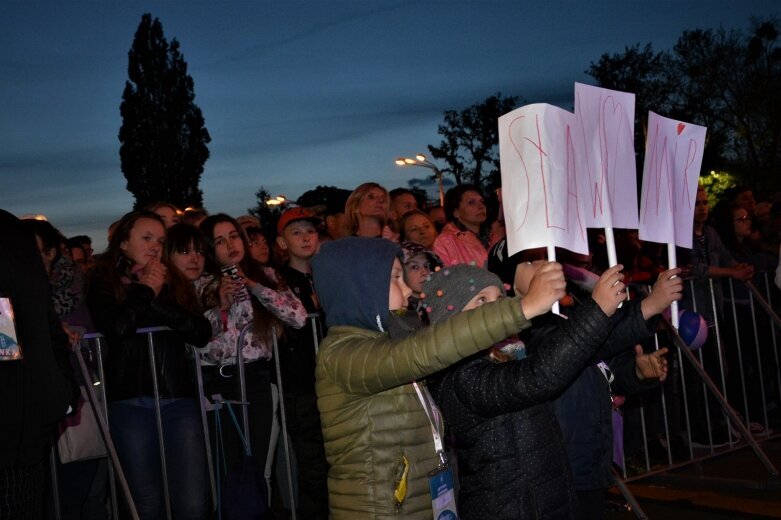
column 673, row 157
column 539, row 186
column 605, row 128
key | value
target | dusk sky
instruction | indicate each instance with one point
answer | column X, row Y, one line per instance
column 295, row 94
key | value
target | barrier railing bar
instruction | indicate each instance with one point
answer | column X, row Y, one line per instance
column 98, row 342
column 775, row 343
column 206, row 437
column 739, row 349
column 704, row 389
column 719, row 351
column 55, row 480
column 629, row 497
column 158, row 413
column 109, row 443
column 313, row 317
column 285, row 440
column 243, row 382
column 759, row 364
column 664, row 413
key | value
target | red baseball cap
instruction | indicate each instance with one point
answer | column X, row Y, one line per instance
column 294, row 214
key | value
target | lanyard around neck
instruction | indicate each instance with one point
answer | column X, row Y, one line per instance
column 434, row 417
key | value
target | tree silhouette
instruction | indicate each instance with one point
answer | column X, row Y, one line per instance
column 163, row 137
column 268, row 215
column 728, row 81
column 323, row 196
column 470, row 144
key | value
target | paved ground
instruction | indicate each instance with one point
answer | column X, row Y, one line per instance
column 736, row 485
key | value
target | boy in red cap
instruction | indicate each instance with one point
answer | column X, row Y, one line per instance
column 298, row 238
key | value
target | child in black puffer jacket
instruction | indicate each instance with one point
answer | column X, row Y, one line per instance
column 511, row 456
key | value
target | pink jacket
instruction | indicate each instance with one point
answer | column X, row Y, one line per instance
column 454, row 246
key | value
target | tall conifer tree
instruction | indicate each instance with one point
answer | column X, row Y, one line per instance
column 163, row 137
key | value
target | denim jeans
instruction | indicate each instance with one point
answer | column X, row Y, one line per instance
column 134, row 430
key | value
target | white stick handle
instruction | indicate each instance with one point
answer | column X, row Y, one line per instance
column 552, row 258
column 672, row 263
column 612, row 257
column 610, row 242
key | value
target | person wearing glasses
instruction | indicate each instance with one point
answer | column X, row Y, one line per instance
column 708, row 258
column 733, row 223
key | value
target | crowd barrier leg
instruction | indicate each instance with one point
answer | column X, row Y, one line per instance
column 104, row 431
column 54, row 480
column 634, row 505
column 207, row 441
column 285, row 440
column 158, row 416
column 112, row 483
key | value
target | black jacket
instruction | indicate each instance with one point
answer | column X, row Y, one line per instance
column 511, row 458
column 127, row 365
column 584, row 410
column 297, row 349
column 35, row 391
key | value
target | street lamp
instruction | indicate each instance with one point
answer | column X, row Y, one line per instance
column 420, row 160
column 279, row 200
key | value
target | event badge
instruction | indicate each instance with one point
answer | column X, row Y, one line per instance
column 9, row 344
column 443, row 497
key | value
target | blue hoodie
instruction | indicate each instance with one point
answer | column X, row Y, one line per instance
column 352, row 281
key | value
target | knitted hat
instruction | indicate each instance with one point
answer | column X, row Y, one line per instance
column 448, row 290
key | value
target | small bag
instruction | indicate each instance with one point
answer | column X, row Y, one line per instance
column 79, row 435
column 243, row 494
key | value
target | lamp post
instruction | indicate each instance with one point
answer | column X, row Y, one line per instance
column 420, row 160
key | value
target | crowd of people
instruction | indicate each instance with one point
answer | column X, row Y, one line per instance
column 420, row 365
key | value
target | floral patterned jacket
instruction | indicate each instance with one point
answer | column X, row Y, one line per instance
column 227, row 326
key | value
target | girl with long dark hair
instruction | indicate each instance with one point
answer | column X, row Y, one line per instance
column 239, row 292
column 130, row 288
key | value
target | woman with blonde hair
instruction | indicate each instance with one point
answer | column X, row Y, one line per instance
column 367, row 211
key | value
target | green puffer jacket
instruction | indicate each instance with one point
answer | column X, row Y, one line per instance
column 371, row 414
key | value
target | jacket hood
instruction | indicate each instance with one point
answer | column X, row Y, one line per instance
column 352, row 281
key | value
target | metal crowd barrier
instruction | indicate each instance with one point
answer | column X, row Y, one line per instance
column 751, row 346
column 316, row 336
column 101, row 416
column 101, row 413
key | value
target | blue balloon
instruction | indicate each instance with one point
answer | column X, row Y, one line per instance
column 692, row 328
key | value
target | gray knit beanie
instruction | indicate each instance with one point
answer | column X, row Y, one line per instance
column 449, row 289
